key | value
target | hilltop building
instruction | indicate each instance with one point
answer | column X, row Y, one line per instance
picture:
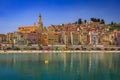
column 82, row 35
column 32, row 29
column 2, row 38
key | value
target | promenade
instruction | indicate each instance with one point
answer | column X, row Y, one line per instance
column 47, row 51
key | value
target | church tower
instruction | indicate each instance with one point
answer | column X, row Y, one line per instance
column 40, row 24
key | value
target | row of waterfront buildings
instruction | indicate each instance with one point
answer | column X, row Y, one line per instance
column 85, row 34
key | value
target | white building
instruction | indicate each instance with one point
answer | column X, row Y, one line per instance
column 93, row 38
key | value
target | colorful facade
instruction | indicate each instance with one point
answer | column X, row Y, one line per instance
column 27, row 29
column 53, row 38
column 90, row 33
column 2, row 38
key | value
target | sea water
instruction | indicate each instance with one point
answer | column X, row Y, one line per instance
column 60, row 66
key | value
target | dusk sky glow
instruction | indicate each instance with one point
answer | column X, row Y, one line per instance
column 14, row 13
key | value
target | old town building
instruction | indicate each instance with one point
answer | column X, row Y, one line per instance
column 32, row 29
column 85, row 34
column 9, row 38
column 93, row 38
column 2, row 38
column 53, row 38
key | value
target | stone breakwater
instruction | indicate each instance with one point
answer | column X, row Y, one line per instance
column 46, row 51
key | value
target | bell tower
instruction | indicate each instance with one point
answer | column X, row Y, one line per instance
column 40, row 24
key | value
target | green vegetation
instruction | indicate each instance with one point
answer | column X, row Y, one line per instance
column 114, row 26
column 16, row 48
column 27, row 48
column 40, row 46
column 101, row 21
column 80, row 21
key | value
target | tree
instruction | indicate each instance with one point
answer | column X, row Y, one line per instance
column 102, row 21
column 85, row 21
column 112, row 23
column 92, row 19
column 98, row 19
column 79, row 21
column 40, row 46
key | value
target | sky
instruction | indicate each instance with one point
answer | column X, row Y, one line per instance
column 15, row 13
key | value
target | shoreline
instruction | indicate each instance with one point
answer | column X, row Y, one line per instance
column 48, row 51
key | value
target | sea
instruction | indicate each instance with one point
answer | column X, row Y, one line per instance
column 60, row 66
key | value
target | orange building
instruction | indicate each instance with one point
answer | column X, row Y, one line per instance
column 44, row 39
column 2, row 38
column 53, row 38
column 32, row 29
column 27, row 29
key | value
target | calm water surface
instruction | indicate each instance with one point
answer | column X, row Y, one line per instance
column 62, row 66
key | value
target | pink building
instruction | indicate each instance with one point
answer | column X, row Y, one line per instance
column 31, row 38
column 117, row 37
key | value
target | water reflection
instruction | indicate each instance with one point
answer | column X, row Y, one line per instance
column 64, row 66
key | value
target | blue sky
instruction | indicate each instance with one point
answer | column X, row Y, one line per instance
column 14, row 13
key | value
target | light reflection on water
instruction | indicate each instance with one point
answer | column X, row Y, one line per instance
column 60, row 66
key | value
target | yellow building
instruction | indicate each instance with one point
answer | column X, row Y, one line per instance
column 44, row 39
column 53, row 38
column 32, row 29
column 9, row 38
column 27, row 29
column 111, row 38
column 40, row 24
column 2, row 38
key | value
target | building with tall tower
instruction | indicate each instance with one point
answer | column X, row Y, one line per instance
column 27, row 29
column 32, row 29
column 40, row 24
